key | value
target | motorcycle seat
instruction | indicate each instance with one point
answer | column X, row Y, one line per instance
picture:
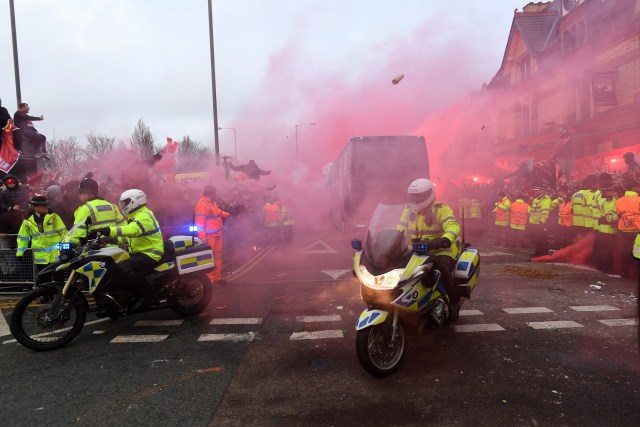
column 169, row 252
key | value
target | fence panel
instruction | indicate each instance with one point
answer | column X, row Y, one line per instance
column 16, row 275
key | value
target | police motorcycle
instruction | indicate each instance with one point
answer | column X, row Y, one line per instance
column 54, row 313
column 401, row 289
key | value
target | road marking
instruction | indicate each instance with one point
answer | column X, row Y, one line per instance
column 470, row 313
column 336, row 273
column 4, row 327
column 495, row 253
column 120, row 339
column 480, row 327
column 172, row 322
column 249, row 336
column 593, row 307
column 326, row 249
column 619, row 322
column 44, row 334
column 317, row 335
column 310, row 319
column 525, row 310
column 555, row 324
column 250, row 264
column 237, row 321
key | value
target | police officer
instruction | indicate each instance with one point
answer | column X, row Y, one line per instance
column 95, row 212
column 424, row 219
column 145, row 244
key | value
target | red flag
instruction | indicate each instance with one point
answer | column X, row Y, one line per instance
column 8, row 153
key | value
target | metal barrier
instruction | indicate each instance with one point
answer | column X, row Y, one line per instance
column 15, row 275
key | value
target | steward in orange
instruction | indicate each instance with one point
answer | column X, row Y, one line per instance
column 564, row 233
column 519, row 218
column 272, row 221
column 628, row 210
column 208, row 217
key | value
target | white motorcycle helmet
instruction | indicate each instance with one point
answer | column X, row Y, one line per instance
column 130, row 200
column 422, row 193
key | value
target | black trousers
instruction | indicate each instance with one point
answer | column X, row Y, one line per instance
column 446, row 264
column 132, row 272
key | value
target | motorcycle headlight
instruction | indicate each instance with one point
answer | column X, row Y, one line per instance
column 388, row 280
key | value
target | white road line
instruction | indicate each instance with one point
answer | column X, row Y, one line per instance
column 138, row 338
column 526, row 310
column 471, row 313
column 317, row 335
column 494, row 253
column 593, row 307
column 249, row 336
column 555, row 324
column 171, row 322
column 4, row 327
column 44, row 334
column 619, row 322
column 237, row 321
column 311, row 319
column 480, row 327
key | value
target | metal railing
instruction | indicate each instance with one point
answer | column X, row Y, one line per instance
column 16, row 275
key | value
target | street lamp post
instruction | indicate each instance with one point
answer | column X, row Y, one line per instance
column 297, row 126
column 235, row 146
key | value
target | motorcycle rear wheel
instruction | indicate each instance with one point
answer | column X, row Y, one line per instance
column 35, row 326
column 373, row 352
column 192, row 294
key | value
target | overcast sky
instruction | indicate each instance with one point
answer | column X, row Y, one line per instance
column 100, row 65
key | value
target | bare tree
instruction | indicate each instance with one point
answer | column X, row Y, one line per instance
column 192, row 149
column 99, row 146
column 67, row 157
column 143, row 141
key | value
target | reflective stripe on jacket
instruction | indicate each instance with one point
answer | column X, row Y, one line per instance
column 44, row 237
column 209, row 218
column 475, row 211
column 628, row 209
column 143, row 232
column 503, row 212
column 432, row 222
column 519, row 214
column 591, row 211
column 96, row 213
column 540, row 207
column 608, row 212
column 578, row 203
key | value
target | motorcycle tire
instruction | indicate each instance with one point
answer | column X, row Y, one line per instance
column 372, row 351
column 34, row 307
column 197, row 296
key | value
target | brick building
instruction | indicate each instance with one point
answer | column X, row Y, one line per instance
column 568, row 89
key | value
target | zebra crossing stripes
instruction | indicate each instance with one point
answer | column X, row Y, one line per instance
column 248, row 336
column 527, row 310
column 555, row 324
column 316, row 335
column 120, row 339
column 236, row 321
column 471, row 313
column 171, row 322
column 593, row 308
column 478, row 327
column 619, row 322
column 311, row 319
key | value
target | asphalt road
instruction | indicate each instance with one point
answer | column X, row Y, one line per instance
column 534, row 346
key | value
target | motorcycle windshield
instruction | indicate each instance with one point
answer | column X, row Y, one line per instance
column 385, row 246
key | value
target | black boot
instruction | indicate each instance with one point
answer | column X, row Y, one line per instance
column 454, row 312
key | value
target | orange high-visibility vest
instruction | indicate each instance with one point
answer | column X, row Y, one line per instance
column 519, row 214
column 272, row 215
column 565, row 214
column 209, row 218
column 628, row 208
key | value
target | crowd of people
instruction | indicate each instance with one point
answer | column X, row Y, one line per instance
column 24, row 132
column 36, row 214
column 592, row 221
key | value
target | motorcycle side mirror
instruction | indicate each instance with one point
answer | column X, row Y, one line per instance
column 420, row 248
column 356, row 244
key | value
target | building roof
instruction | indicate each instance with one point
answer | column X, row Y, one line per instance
column 536, row 29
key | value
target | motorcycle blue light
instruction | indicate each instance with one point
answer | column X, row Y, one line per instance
column 193, row 228
column 65, row 246
column 356, row 244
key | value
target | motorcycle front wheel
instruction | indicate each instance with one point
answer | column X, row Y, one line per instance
column 37, row 325
column 191, row 295
column 376, row 353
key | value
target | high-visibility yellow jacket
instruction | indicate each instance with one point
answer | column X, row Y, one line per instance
column 519, row 214
column 579, row 205
column 628, row 209
column 44, row 237
column 540, row 207
column 143, row 232
column 607, row 208
column 591, row 208
column 503, row 212
column 96, row 213
column 475, row 210
column 287, row 215
column 636, row 247
column 434, row 221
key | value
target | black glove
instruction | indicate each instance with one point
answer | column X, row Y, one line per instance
column 603, row 220
column 21, row 260
column 103, row 232
column 440, row 243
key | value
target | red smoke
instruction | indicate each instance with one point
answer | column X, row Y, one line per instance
column 578, row 252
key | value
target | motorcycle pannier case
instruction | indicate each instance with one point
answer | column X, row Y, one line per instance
column 192, row 257
column 467, row 267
